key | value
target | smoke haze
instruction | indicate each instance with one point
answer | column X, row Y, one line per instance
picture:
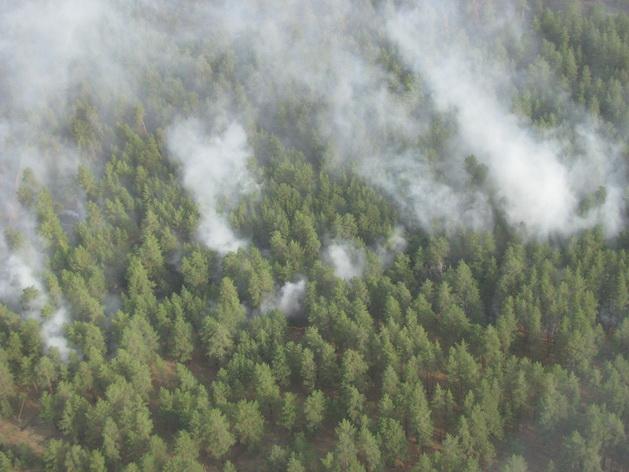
column 338, row 57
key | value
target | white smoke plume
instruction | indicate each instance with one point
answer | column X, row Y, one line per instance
column 330, row 53
column 348, row 260
column 50, row 52
column 214, row 170
column 40, row 48
column 315, row 50
column 289, row 299
column 541, row 188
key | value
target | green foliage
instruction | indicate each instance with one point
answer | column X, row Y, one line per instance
column 248, row 423
column 314, row 409
column 217, row 438
column 440, row 357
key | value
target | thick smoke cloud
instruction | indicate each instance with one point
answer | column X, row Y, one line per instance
column 214, row 170
column 53, row 53
column 330, row 53
column 40, row 48
column 336, row 55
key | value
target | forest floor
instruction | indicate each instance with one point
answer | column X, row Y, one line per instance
column 28, row 434
column 527, row 442
column 13, row 435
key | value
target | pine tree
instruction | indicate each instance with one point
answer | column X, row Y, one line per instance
column 215, row 434
column 248, row 423
column 288, row 414
column 418, row 417
column 314, row 409
column 392, row 440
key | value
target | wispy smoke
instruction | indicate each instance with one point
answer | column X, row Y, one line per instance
column 53, row 331
column 394, row 244
column 215, row 171
column 347, row 259
column 52, row 52
column 334, row 54
column 20, row 273
column 15, row 273
column 41, row 50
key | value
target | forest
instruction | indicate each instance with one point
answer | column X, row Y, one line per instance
column 316, row 235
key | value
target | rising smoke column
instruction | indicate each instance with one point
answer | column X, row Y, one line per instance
column 289, row 299
column 40, row 48
column 214, row 169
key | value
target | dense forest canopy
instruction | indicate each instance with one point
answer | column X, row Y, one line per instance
column 349, row 235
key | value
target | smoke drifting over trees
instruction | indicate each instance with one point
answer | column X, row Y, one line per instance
column 540, row 181
column 21, row 287
column 314, row 235
column 537, row 175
